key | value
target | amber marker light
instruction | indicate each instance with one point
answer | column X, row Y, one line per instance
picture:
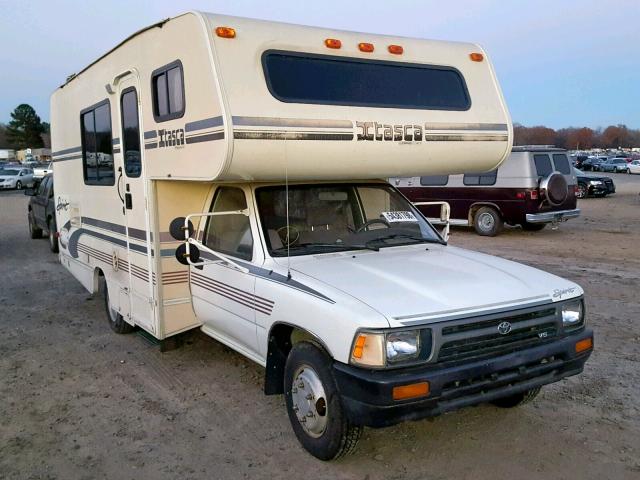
column 395, row 49
column 476, row 57
column 359, row 346
column 584, row 345
column 226, row 32
column 333, row 43
column 365, row 47
column 413, row 390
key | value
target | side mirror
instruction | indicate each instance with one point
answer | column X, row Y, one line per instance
column 176, row 228
column 30, row 192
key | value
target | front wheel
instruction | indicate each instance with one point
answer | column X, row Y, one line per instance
column 314, row 406
column 18, row 185
column 582, row 190
column 517, row 399
column 34, row 231
column 487, row 222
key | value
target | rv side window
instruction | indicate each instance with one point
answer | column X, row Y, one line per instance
column 330, row 80
column 97, row 153
column 130, row 133
column 562, row 163
column 167, row 84
column 488, row 178
column 543, row 165
column 434, row 180
column 230, row 234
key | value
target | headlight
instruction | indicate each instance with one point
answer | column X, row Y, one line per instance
column 391, row 348
column 595, row 182
column 572, row 315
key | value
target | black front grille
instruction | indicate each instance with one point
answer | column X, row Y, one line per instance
column 464, row 341
column 609, row 185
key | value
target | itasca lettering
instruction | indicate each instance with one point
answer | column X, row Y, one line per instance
column 171, row 138
column 375, row 131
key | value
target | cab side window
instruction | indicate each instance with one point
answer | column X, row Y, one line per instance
column 230, row 233
column 42, row 187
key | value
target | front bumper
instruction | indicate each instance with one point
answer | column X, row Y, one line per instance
column 367, row 395
column 552, row 216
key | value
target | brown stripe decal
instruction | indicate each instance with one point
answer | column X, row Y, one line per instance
column 246, row 299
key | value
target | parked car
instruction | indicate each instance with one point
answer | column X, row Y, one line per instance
column 41, row 212
column 593, row 185
column 533, row 187
column 633, row 166
column 578, row 160
column 17, row 178
column 42, row 169
column 616, row 165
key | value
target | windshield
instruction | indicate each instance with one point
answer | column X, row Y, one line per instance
column 339, row 217
column 8, row 172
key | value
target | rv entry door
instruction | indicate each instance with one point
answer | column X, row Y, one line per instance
column 132, row 192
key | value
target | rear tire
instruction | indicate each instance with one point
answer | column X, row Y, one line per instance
column 116, row 321
column 487, row 222
column 517, row 399
column 34, row 231
column 53, row 238
column 323, row 428
column 533, row 227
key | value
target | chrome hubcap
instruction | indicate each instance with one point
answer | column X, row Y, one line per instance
column 486, row 221
column 309, row 401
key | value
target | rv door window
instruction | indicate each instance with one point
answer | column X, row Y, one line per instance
column 230, row 234
column 561, row 162
column 434, row 180
column 130, row 133
column 488, row 178
column 97, row 153
column 543, row 165
column 168, row 92
column 323, row 79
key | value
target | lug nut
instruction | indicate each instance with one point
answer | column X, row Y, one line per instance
column 309, row 396
column 301, row 385
column 295, row 408
column 294, row 390
column 310, row 415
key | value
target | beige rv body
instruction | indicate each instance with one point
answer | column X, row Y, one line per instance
column 234, row 130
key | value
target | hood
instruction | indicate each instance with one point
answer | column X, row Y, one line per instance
column 7, row 177
column 415, row 284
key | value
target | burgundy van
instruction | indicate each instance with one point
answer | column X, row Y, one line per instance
column 533, row 187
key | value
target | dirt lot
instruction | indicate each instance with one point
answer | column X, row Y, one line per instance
column 79, row 402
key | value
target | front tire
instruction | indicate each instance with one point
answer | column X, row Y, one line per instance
column 18, row 185
column 314, row 405
column 116, row 321
column 517, row 399
column 487, row 222
column 582, row 190
column 34, row 231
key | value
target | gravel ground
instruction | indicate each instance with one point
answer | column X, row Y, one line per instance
column 79, row 402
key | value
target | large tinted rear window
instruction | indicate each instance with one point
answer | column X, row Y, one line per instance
column 543, row 165
column 562, row 163
column 324, row 79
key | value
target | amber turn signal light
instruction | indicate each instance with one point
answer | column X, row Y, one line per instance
column 583, row 345
column 226, row 32
column 395, row 49
column 414, row 390
column 333, row 43
column 366, row 47
column 476, row 57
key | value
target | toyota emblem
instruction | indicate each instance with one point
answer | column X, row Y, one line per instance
column 504, row 328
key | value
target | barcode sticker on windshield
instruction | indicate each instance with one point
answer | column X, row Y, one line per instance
column 392, row 217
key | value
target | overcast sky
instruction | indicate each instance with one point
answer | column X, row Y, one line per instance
column 560, row 62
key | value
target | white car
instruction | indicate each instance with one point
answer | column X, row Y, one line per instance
column 633, row 167
column 42, row 169
column 17, row 178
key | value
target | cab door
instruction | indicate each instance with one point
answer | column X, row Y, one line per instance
column 223, row 296
column 132, row 190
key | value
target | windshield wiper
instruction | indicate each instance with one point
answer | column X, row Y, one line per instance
column 400, row 235
column 322, row 246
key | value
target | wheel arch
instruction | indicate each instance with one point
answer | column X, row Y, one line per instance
column 282, row 337
column 478, row 205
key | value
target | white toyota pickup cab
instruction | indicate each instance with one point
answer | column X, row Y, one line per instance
column 365, row 316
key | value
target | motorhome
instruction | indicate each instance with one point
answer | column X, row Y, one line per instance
column 224, row 174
